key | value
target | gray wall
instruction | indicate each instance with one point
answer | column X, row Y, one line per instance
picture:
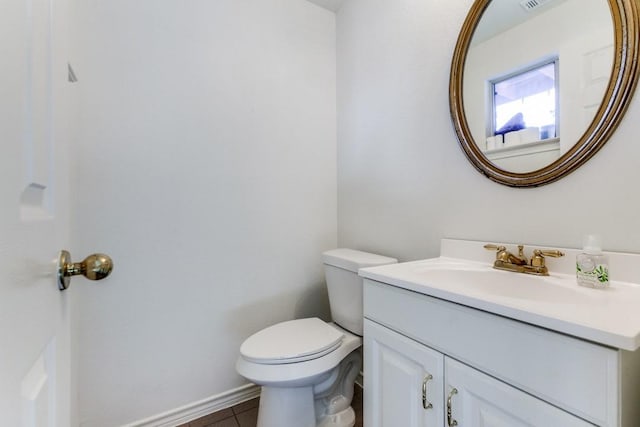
column 205, row 166
column 403, row 181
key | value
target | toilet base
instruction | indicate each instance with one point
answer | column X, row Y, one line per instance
column 286, row 407
column 346, row 418
column 293, row 407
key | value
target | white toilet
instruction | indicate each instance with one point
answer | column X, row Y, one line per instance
column 307, row 367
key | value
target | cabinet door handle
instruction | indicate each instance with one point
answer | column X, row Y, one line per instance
column 425, row 403
column 450, row 421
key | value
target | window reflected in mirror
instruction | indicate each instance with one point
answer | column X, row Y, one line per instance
column 523, row 109
column 526, row 101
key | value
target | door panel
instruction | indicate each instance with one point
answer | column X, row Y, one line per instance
column 34, row 324
column 397, row 370
column 478, row 400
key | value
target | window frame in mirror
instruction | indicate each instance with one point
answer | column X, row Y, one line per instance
column 624, row 77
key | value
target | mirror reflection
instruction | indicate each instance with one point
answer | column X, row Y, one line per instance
column 535, row 75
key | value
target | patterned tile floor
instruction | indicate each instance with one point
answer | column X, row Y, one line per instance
column 246, row 414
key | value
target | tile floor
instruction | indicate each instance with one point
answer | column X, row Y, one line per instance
column 246, row 414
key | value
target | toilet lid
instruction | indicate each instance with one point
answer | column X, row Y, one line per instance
column 291, row 342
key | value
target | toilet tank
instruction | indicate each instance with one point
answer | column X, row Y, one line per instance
column 345, row 286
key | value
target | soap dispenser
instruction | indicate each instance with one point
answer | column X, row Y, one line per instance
column 592, row 266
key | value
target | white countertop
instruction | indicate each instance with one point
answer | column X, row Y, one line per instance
column 609, row 316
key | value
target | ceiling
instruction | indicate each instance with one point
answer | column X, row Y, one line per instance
column 504, row 14
column 332, row 5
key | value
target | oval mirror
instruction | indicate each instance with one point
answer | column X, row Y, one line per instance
column 538, row 86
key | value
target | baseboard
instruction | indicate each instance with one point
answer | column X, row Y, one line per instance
column 200, row 408
column 207, row 406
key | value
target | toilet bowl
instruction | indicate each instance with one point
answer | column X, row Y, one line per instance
column 291, row 382
column 307, row 367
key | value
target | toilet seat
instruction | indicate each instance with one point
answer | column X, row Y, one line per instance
column 298, row 374
column 292, row 342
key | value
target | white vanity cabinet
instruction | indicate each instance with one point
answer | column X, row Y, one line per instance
column 506, row 373
column 412, row 385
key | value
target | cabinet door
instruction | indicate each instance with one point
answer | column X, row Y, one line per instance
column 403, row 380
column 478, row 400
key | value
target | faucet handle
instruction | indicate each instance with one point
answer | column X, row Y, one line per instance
column 501, row 252
column 549, row 252
column 537, row 260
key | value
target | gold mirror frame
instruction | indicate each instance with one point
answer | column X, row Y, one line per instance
column 621, row 86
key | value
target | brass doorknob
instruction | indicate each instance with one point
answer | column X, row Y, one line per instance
column 93, row 267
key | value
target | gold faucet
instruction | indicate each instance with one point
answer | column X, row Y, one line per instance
column 505, row 260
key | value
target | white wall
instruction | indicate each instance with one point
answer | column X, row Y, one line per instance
column 205, row 166
column 403, row 181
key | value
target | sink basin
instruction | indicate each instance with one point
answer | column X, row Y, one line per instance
column 480, row 281
column 461, row 280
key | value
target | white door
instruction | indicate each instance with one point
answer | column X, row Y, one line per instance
column 403, row 380
column 475, row 399
column 34, row 130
